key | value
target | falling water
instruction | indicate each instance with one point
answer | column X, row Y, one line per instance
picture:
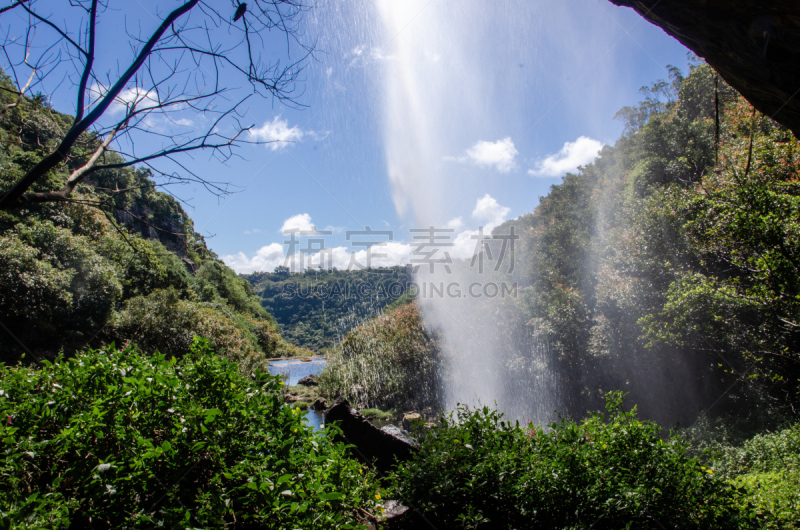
column 440, row 76
column 440, row 87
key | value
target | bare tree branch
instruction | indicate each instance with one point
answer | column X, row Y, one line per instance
column 12, row 6
column 171, row 73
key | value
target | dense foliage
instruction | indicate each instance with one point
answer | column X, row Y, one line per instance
column 317, row 308
column 116, row 438
column 390, row 362
column 475, row 470
column 668, row 267
column 119, row 261
column 766, row 468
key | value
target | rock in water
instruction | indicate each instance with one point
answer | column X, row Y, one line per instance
column 309, row 380
column 319, row 404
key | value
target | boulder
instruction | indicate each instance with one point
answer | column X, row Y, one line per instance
column 319, row 404
column 411, row 419
column 309, row 380
column 373, row 446
column 398, row 433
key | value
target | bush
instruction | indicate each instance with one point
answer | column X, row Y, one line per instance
column 390, row 361
column 476, row 470
column 115, row 438
column 766, row 468
column 163, row 322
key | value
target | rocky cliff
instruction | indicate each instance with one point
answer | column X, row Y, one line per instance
column 753, row 44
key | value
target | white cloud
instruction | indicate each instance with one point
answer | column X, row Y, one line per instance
column 456, row 224
column 265, row 259
column 127, row 98
column 183, row 122
column 300, row 222
column 278, row 132
column 499, row 154
column 578, row 153
column 388, row 254
column 488, row 210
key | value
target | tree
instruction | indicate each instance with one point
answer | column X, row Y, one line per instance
column 191, row 62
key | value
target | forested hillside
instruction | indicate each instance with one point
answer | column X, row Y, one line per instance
column 668, row 268
column 316, row 309
column 118, row 261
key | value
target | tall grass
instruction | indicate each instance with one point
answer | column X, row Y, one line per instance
column 391, row 361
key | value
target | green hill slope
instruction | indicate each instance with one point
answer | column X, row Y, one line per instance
column 120, row 261
column 316, row 309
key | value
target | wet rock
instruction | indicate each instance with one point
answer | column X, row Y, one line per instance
column 373, row 446
column 754, row 45
column 398, row 433
column 319, row 404
column 309, row 380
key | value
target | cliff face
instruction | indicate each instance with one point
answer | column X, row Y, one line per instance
column 753, row 44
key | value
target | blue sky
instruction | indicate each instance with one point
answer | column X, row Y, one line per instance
column 454, row 113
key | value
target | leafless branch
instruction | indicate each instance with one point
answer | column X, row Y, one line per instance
column 171, row 73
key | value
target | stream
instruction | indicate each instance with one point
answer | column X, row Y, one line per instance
column 293, row 370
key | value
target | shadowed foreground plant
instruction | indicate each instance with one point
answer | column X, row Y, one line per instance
column 115, row 438
column 478, row 471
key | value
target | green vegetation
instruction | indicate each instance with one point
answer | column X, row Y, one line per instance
column 767, row 469
column 389, row 362
column 668, row 267
column 116, row 438
column 316, row 309
column 475, row 470
column 378, row 414
column 119, row 261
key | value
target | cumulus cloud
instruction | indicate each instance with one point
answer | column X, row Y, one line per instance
column 578, row 153
column 456, row 224
column 278, row 132
column 489, row 211
column 265, row 259
column 300, row 222
column 386, row 254
column 499, row 154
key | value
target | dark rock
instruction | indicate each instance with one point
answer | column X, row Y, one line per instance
column 309, row 380
column 372, row 445
column 399, row 517
column 319, row 404
column 753, row 44
column 398, row 433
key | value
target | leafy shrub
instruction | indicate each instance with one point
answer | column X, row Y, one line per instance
column 115, row 438
column 766, row 468
column 390, row 361
column 163, row 322
column 476, row 470
column 217, row 283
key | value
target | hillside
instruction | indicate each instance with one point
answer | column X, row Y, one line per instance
column 667, row 268
column 316, row 309
column 118, row 262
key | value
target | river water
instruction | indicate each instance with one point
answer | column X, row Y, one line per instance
column 292, row 370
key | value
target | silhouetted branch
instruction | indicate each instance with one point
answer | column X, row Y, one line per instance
column 171, row 72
